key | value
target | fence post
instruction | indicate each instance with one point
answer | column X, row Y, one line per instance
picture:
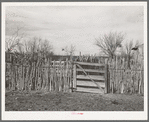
column 54, row 77
column 74, row 77
column 23, row 77
column 70, row 69
column 66, row 81
column 141, row 80
column 107, row 83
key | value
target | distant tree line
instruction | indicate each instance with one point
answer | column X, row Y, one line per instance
column 37, row 48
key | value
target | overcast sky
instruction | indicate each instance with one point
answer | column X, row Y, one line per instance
column 79, row 26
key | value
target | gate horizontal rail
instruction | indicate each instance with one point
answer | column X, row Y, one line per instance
column 94, row 77
column 92, row 70
column 89, row 64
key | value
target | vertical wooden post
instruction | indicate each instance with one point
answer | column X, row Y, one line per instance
column 23, row 78
column 74, row 77
column 70, row 75
column 141, row 79
column 67, row 76
column 15, row 70
column 116, row 73
column 10, row 78
column 80, row 53
column 59, row 75
column 36, row 77
column 50, row 71
column 112, row 87
column 54, row 76
column 20, row 77
column 107, row 83
column 142, row 83
column 113, row 75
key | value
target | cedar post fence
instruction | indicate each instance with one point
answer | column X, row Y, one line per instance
column 53, row 77
column 63, row 75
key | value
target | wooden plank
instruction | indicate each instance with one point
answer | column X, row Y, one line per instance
column 94, row 77
column 91, row 70
column 58, row 66
column 89, row 90
column 90, row 64
column 90, row 83
column 58, row 62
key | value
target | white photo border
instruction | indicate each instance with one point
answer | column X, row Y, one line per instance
column 65, row 115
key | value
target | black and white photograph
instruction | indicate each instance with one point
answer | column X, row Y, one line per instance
column 74, row 61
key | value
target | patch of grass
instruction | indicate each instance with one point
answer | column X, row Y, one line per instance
column 52, row 101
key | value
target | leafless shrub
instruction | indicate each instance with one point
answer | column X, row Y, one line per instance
column 108, row 43
column 69, row 50
column 14, row 41
column 128, row 51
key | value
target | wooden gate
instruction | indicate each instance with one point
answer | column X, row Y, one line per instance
column 91, row 77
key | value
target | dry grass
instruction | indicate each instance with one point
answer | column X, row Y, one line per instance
column 16, row 101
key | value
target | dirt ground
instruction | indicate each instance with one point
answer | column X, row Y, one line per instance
column 23, row 101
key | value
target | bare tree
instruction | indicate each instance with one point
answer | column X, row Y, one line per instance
column 108, row 43
column 14, row 40
column 32, row 45
column 39, row 46
column 45, row 47
column 127, row 50
column 70, row 50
